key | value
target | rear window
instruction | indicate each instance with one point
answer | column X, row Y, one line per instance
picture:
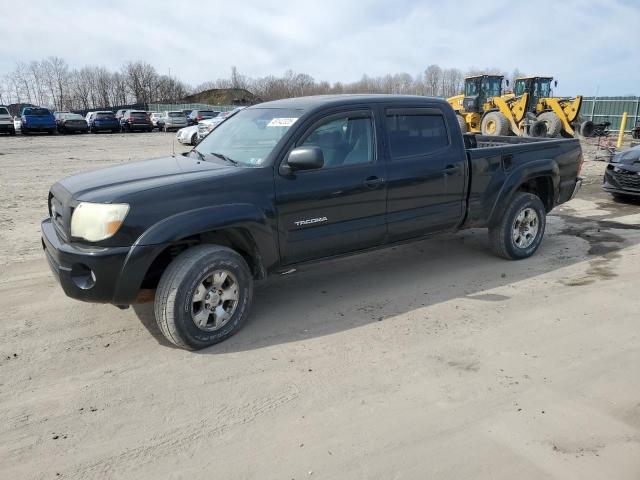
column 176, row 114
column 105, row 116
column 138, row 114
column 206, row 113
column 416, row 133
column 4, row 111
column 37, row 112
column 73, row 116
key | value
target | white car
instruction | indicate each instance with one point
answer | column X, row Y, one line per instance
column 188, row 135
column 17, row 123
column 6, row 121
column 205, row 126
column 156, row 120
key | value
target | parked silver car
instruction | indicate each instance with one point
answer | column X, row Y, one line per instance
column 174, row 120
column 205, row 126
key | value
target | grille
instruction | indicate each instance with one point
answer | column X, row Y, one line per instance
column 56, row 210
column 627, row 179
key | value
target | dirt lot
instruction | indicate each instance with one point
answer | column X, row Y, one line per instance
column 430, row 360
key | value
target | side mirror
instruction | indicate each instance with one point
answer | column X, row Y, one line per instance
column 555, row 83
column 303, row 158
column 507, row 82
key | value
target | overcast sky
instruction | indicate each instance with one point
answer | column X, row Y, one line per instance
column 587, row 45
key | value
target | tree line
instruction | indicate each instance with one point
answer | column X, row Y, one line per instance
column 51, row 82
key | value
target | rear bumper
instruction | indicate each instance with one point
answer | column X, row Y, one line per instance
column 105, row 126
column 7, row 127
column 38, row 128
column 97, row 274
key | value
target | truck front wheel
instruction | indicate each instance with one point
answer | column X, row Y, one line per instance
column 203, row 297
column 520, row 231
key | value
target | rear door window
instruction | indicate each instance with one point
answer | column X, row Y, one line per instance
column 4, row 111
column 416, row 132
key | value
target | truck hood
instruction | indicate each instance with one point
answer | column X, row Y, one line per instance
column 108, row 184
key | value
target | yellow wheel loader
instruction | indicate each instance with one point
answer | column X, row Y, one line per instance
column 482, row 108
column 560, row 115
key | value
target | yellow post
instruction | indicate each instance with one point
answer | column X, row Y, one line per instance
column 623, row 124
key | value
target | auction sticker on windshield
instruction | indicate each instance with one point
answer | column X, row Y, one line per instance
column 281, row 122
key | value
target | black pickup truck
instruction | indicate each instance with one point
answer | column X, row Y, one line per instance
column 288, row 182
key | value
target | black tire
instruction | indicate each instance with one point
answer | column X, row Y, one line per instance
column 51, row 131
column 194, row 139
column 462, row 123
column 537, row 129
column 494, row 124
column 586, row 128
column 553, row 123
column 501, row 239
column 174, row 297
column 12, row 132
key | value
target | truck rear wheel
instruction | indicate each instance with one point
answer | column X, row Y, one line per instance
column 553, row 123
column 203, row 297
column 521, row 228
column 494, row 124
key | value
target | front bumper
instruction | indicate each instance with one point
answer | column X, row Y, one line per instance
column 618, row 179
column 97, row 274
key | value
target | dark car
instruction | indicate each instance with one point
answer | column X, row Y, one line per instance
column 622, row 175
column 104, row 121
column 196, row 115
column 288, row 182
column 70, row 123
column 37, row 119
column 136, row 120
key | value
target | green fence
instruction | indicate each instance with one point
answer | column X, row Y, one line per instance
column 610, row 109
column 162, row 107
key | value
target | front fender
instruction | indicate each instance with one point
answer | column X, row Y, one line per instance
column 540, row 168
column 186, row 224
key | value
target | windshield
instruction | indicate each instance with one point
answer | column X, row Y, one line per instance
column 176, row 114
column 492, row 86
column 520, row 87
column 543, row 88
column 471, row 87
column 249, row 136
column 38, row 112
column 3, row 111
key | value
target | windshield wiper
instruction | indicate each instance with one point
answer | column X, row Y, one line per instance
column 224, row 157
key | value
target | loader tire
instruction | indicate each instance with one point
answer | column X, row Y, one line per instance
column 553, row 123
column 494, row 124
column 538, row 129
column 462, row 123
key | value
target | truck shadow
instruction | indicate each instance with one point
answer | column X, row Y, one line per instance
column 348, row 293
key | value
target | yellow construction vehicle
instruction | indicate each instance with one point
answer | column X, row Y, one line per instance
column 482, row 108
column 559, row 114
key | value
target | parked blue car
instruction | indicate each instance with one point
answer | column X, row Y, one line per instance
column 103, row 121
column 37, row 119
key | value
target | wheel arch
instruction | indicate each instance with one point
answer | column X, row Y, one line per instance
column 240, row 227
column 542, row 178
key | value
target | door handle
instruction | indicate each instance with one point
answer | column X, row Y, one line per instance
column 451, row 170
column 373, row 182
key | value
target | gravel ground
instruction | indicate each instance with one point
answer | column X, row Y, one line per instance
column 429, row 360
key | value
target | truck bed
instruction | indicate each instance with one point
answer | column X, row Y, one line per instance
column 497, row 163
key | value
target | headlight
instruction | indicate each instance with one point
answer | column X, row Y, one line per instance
column 97, row 221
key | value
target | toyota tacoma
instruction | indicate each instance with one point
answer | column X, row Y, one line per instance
column 288, row 182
